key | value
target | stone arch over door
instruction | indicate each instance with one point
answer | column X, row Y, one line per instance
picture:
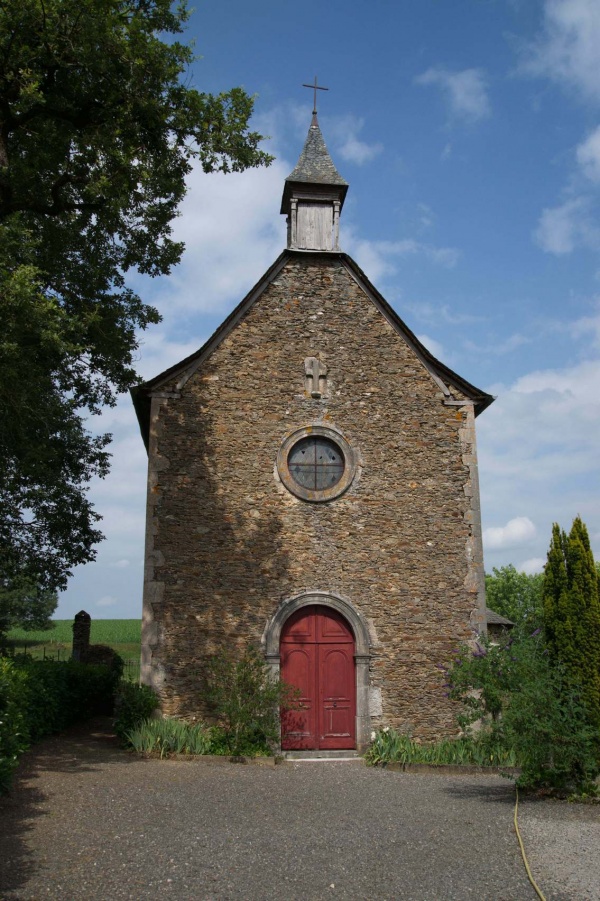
column 272, row 638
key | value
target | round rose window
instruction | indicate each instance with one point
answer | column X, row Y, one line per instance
column 316, row 463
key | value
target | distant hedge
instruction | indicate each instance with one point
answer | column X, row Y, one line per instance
column 40, row 697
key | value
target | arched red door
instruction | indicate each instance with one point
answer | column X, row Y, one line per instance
column 317, row 656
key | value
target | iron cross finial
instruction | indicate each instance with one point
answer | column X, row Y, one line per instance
column 316, row 87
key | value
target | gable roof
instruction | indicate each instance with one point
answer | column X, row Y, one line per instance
column 445, row 377
column 496, row 619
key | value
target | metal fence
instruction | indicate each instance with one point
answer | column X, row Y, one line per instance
column 14, row 649
column 131, row 669
column 131, row 665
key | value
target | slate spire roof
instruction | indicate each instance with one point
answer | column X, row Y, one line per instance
column 315, row 165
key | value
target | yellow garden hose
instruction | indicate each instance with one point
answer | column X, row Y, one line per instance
column 538, row 890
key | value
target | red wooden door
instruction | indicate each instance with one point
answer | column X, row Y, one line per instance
column 317, row 656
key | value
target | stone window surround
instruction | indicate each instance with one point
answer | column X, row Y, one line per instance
column 362, row 656
column 327, row 494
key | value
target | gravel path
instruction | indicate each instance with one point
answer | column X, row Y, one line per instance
column 87, row 821
column 562, row 843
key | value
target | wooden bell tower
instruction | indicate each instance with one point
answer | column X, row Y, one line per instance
column 313, row 195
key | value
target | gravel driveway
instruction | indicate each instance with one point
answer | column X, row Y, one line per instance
column 87, row 821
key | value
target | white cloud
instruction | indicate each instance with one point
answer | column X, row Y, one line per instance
column 359, row 152
column 498, row 348
column 344, row 131
column 432, row 314
column 443, row 256
column 588, row 156
column 426, row 215
column 567, row 50
column 157, row 352
column 465, row 91
column 516, row 532
column 378, row 258
column 588, row 327
column 290, row 117
column 563, row 228
column 432, row 346
column 120, row 564
column 511, row 343
column 538, row 452
column 529, row 418
column 532, row 566
column 232, row 231
column 107, row 601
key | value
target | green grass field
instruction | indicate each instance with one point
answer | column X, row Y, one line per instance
column 121, row 634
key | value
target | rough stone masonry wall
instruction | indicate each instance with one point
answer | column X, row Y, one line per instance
column 227, row 542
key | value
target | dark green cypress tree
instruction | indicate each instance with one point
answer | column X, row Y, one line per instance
column 572, row 611
column 554, row 592
column 585, row 606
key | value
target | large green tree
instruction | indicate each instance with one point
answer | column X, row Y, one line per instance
column 572, row 610
column 515, row 595
column 98, row 130
column 27, row 607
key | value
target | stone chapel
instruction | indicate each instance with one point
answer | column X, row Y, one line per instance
column 313, row 491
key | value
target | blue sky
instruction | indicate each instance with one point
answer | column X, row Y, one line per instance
column 469, row 132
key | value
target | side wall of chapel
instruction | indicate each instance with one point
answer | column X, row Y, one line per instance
column 227, row 543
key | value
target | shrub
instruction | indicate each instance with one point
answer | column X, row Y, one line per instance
column 527, row 705
column 62, row 693
column 39, row 697
column 13, row 737
column 133, row 705
column 104, row 654
column 548, row 725
column 246, row 701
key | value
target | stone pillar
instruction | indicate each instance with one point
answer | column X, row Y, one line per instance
column 81, row 634
column 363, row 714
column 152, row 670
column 475, row 579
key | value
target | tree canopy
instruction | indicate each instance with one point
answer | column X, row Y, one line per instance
column 97, row 134
column 27, row 607
column 514, row 594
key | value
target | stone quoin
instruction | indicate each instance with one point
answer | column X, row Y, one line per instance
column 314, row 454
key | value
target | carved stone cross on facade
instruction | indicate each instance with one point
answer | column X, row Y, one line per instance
column 316, row 377
column 316, row 87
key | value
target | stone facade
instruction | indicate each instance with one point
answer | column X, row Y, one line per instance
column 228, row 544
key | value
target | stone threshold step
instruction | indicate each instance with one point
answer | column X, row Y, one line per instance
column 321, row 755
column 358, row 760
